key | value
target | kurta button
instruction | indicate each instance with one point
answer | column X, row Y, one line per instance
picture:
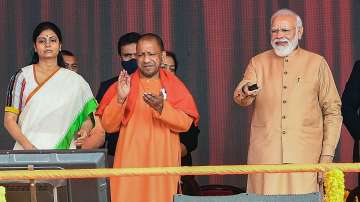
column 285, row 72
column 286, row 60
column 283, row 117
column 283, row 132
column 285, row 87
column 284, row 101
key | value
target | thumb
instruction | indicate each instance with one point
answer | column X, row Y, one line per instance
column 320, row 177
column 163, row 93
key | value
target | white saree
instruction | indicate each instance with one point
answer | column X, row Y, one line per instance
column 52, row 112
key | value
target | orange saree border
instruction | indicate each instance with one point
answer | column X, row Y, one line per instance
column 40, row 84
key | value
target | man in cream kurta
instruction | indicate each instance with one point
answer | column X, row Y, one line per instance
column 296, row 116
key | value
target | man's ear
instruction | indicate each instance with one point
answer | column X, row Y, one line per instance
column 163, row 55
column 300, row 32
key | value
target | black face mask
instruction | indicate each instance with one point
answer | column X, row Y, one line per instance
column 130, row 66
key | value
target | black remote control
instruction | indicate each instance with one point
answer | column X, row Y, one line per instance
column 253, row 87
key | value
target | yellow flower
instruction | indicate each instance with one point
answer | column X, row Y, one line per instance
column 334, row 186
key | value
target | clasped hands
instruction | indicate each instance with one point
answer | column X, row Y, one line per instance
column 154, row 101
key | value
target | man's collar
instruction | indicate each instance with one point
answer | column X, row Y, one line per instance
column 294, row 53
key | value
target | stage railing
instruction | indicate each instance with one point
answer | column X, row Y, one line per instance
column 185, row 170
column 334, row 177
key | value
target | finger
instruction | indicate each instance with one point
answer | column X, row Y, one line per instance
column 320, row 178
column 146, row 98
column 82, row 135
column 120, row 78
column 128, row 80
column 155, row 97
column 125, row 72
column 157, row 101
column 238, row 92
column 254, row 92
column 79, row 143
column 149, row 96
column 120, row 75
column 149, row 99
column 246, row 90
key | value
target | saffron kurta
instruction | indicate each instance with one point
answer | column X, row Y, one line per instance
column 296, row 118
column 149, row 139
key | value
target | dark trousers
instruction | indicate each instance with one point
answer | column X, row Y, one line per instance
column 189, row 186
column 356, row 156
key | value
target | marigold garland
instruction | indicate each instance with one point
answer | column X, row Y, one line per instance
column 334, row 186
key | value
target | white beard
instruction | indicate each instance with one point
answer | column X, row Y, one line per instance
column 283, row 51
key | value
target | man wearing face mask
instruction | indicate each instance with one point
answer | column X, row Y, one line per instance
column 296, row 116
column 127, row 52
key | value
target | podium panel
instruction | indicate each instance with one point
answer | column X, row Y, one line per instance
column 67, row 190
column 16, row 192
column 245, row 197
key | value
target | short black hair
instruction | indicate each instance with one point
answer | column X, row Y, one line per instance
column 152, row 36
column 128, row 38
column 173, row 56
column 67, row 53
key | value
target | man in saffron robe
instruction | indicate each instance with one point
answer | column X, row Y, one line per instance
column 150, row 108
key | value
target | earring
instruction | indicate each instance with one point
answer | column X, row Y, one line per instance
column 60, row 49
column 35, row 50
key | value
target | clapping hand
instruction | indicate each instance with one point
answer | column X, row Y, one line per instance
column 123, row 86
column 154, row 101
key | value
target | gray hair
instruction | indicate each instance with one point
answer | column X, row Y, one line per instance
column 286, row 11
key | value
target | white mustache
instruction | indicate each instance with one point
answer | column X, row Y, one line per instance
column 281, row 40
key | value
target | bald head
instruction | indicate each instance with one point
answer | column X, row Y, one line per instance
column 150, row 53
column 152, row 37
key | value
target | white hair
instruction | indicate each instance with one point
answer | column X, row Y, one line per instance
column 286, row 11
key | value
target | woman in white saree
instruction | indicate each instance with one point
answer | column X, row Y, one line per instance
column 47, row 105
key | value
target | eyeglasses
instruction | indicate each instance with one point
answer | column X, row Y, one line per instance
column 284, row 30
column 149, row 54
